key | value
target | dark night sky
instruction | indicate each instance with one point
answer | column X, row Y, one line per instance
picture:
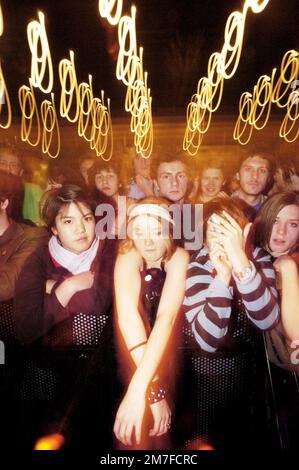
column 172, row 32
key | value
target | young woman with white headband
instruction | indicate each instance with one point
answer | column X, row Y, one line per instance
column 149, row 289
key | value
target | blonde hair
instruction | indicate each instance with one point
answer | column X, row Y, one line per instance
column 128, row 244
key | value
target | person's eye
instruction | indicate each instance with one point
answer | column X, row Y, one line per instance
column 275, row 222
column 88, row 218
column 68, row 221
column 294, row 225
column 138, row 235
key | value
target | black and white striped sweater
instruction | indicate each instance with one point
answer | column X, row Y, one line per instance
column 208, row 301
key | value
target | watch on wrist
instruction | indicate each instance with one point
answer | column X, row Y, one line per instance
column 244, row 274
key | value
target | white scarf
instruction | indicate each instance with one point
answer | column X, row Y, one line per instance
column 74, row 263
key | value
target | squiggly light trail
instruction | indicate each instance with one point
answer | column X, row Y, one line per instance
column 106, row 8
column 67, row 74
column 91, row 113
column 129, row 69
column 290, row 120
column 255, row 108
column 1, row 21
column 46, row 122
column 46, row 118
column 4, row 96
column 29, row 111
column 50, row 123
column 40, row 65
column 221, row 66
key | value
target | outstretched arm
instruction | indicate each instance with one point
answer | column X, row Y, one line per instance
column 147, row 357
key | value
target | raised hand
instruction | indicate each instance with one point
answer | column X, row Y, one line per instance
column 230, row 235
column 145, row 184
column 221, row 262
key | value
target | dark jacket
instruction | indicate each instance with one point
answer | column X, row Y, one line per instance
column 37, row 313
column 16, row 244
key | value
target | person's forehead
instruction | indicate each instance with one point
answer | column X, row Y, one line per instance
column 146, row 221
column 87, row 163
column 289, row 212
column 8, row 156
column 255, row 161
column 73, row 210
column 172, row 167
column 212, row 172
column 106, row 171
column 140, row 158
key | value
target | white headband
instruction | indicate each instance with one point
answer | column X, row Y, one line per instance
column 151, row 209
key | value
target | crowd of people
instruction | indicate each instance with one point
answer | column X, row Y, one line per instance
column 155, row 332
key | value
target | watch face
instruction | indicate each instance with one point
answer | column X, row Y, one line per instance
column 244, row 274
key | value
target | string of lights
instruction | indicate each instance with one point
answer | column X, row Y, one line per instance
column 50, row 125
column 129, row 70
column 255, row 107
column 221, row 66
column 41, row 65
column 29, row 110
column 4, row 96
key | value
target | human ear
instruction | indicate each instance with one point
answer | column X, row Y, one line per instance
column 4, row 204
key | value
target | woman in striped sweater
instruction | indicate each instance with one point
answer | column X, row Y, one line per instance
column 230, row 296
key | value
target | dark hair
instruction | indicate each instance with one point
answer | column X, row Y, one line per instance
column 103, row 166
column 213, row 162
column 233, row 206
column 170, row 157
column 87, row 156
column 269, row 157
column 289, row 166
column 268, row 212
column 55, row 199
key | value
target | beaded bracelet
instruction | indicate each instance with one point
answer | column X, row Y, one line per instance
column 156, row 392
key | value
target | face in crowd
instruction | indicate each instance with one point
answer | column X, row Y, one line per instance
column 285, row 231
column 107, row 181
column 148, row 237
column 211, row 182
column 253, row 175
column 85, row 165
column 142, row 166
column 172, row 181
column 10, row 162
column 75, row 227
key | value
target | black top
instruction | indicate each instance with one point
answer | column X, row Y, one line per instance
column 152, row 282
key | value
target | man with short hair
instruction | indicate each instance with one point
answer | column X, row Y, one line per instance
column 172, row 179
column 254, row 175
column 172, row 182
